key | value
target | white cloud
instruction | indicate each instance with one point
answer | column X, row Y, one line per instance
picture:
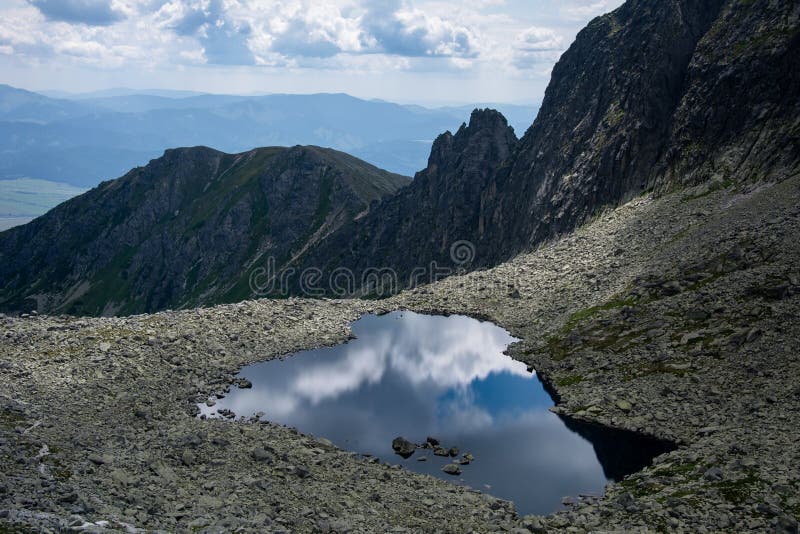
column 89, row 12
column 587, row 10
column 495, row 43
column 536, row 46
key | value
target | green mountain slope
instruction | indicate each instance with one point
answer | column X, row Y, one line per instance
column 183, row 230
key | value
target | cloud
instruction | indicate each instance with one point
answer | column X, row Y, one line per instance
column 392, row 27
column 585, row 11
column 537, row 45
column 224, row 39
column 317, row 30
column 89, row 12
column 464, row 45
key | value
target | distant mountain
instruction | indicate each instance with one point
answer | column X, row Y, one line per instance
column 184, row 229
column 94, row 137
column 18, row 105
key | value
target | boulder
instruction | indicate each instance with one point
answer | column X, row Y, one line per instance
column 452, row 469
column 403, row 447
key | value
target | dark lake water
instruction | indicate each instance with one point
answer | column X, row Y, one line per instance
column 416, row 376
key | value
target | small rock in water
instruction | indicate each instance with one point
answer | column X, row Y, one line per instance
column 403, row 447
column 244, row 383
column 433, row 441
column 452, row 469
column 453, row 451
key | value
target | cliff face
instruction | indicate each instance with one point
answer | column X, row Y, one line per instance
column 417, row 227
column 183, row 230
column 739, row 114
column 657, row 95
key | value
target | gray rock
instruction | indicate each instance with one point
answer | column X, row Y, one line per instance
column 259, row 454
column 188, row 458
column 452, row 469
column 713, row 474
column 403, row 447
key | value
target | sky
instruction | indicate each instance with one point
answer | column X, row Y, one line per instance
column 411, row 51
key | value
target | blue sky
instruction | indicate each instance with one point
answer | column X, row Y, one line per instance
column 424, row 51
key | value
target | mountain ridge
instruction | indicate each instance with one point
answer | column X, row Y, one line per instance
column 642, row 102
column 84, row 141
column 181, row 230
column 620, row 119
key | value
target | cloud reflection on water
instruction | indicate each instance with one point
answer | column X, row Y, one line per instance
column 415, row 375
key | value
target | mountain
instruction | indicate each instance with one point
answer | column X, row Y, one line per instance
column 94, row 137
column 655, row 95
column 651, row 97
column 26, row 106
column 184, row 229
column 416, row 228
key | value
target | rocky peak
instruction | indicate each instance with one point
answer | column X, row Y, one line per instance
column 488, row 134
column 655, row 95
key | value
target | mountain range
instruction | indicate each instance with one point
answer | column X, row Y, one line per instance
column 640, row 103
column 89, row 138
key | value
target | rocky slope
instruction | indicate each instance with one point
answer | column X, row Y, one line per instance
column 683, row 328
column 653, row 96
column 183, row 230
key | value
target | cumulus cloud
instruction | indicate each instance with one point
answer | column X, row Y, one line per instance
column 393, row 27
column 317, row 30
column 586, row 10
column 89, row 12
column 470, row 38
column 224, row 39
column 537, row 45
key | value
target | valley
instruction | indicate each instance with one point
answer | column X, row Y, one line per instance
column 635, row 250
column 145, row 374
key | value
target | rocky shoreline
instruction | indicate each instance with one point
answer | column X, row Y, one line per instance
column 673, row 317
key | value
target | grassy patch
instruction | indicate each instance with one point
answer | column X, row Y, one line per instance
column 569, row 380
column 581, row 315
column 654, row 368
column 712, row 188
column 640, row 488
column 10, row 419
column 737, row 491
column 680, row 470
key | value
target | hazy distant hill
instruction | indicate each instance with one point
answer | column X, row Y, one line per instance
column 89, row 138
